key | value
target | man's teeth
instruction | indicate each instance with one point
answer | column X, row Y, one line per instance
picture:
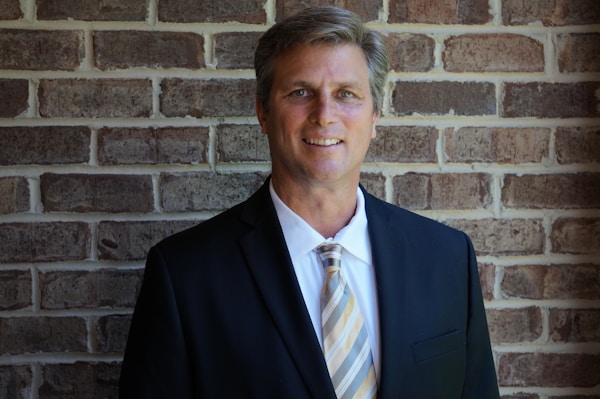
column 323, row 142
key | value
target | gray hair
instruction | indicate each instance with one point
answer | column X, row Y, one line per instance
column 321, row 25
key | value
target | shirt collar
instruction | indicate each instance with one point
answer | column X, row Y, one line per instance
column 301, row 238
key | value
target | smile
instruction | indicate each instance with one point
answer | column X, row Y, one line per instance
column 322, row 142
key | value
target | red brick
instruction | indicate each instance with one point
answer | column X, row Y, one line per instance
column 576, row 235
column 44, row 145
column 129, row 241
column 83, row 98
column 487, row 277
column 440, row 11
column 550, row 12
column 111, row 332
column 208, row 98
column 96, row 193
column 14, row 195
column 242, row 143
column 10, row 9
column 561, row 191
column 184, row 192
column 403, row 144
column 42, row 334
column 551, row 100
column 410, row 52
column 374, row 183
column 247, row 11
column 493, row 53
column 500, row 145
column 92, row 10
column 443, row 191
column 504, row 236
column 15, row 381
column 552, row 282
column 520, row 395
column 549, row 369
column 235, row 50
column 579, row 52
column 14, row 94
column 367, row 10
column 112, row 288
column 441, row 98
column 130, row 49
column 574, row 325
column 44, row 242
column 41, row 49
column 578, row 144
column 79, row 380
column 514, row 325
column 15, row 289
column 122, row 146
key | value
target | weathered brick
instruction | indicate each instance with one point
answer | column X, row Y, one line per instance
column 235, row 50
column 574, row 325
column 92, row 10
column 44, row 145
column 247, row 11
column 96, row 193
column 561, row 191
column 440, row 11
column 10, row 9
column 515, row 325
column 129, row 241
column 367, row 10
column 78, row 289
column 551, row 282
column 15, row 289
column 42, row 334
column 440, row 98
column 89, row 98
column 15, row 381
column 576, row 235
column 14, row 94
column 443, row 191
column 242, row 143
column 577, row 144
column 208, row 98
column 79, row 380
column 487, row 277
column 14, row 195
column 549, row 369
column 130, row 49
column 501, row 145
column 122, row 146
column 504, row 236
column 410, row 52
column 551, row 100
column 182, row 192
column 41, row 49
column 403, row 144
column 521, row 395
column 493, row 53
column 111, row 332
column 44, row 242
column 579, row 52
column 374, row 183
column 550, row 12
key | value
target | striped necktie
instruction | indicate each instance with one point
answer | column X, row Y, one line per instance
column 345, row 341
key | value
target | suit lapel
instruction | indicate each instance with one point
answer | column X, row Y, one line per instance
column 389, row 253
column 269, row 262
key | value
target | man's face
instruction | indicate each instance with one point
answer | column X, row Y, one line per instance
column 320, row 119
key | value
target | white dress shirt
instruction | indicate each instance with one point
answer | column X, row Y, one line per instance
column 357, row 265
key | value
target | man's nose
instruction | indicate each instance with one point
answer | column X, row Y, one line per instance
column 324, row 110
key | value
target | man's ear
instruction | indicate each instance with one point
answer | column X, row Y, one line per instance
column 376, row 116
column 261, row 114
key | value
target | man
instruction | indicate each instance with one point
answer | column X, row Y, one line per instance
column 232, row 307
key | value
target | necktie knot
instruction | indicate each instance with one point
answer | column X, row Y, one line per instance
column 330, row 254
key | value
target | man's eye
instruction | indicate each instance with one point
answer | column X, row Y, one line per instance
column 346, row 94
column 300, row 93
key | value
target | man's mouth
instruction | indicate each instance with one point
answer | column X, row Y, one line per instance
column 323, row 142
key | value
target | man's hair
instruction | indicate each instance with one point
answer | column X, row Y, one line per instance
column 321, row 25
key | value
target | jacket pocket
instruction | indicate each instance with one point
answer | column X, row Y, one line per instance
column 438, row 346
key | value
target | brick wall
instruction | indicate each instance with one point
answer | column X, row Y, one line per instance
column 123, row 122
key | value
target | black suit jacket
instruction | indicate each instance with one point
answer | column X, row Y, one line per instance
column 220, row 313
